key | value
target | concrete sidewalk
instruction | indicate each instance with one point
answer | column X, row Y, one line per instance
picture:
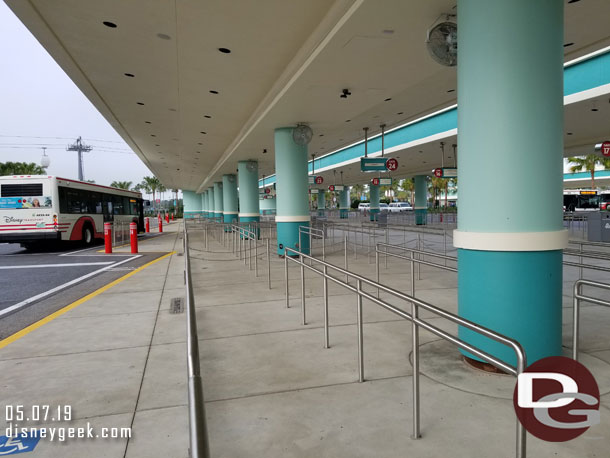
column 101, row 358
column 272, row 390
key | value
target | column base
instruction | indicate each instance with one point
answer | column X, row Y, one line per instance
column 321, row 212
column 374, row 214
column 288, row 236
column 254, row 228
column 517, row 294
column 343, row 213
column 421, row 217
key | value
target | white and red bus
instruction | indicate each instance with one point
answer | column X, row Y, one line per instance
column 37, row 209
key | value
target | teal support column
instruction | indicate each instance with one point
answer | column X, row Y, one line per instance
column 229, row 199
column 267, row 206
column 511, row 113
column 212, row 202
column 204, row 204
column 374, row 199
column 344, row 203
column 207, row 203
column 218, row 201
column 321, row 202
column 192, row 204
column 292, row 191
column 247, row 173
column 421, row 199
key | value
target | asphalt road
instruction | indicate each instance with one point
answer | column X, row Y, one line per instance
column 36, row 284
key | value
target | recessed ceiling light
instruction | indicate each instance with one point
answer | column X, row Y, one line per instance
column 178, row 170
column 348, row 120
column 164, row 36
column 420, row 151
column 568, row 44
column 424, row 162
column 400, row 112
column 200, row 143
column 340, row 139
column 213, row 92
column 265, row 151
column 157, row 145
column 388, row 31
column 112, row 25
column 224, row 50
column 130, row 75
column 594, row 109
column 152, row 135
column 451, row 90
column 207, row 116
column 172, row 109
column 147, row 122
column 202, row 132
column 388, row 99
column 321, row 135
column 140, row 103
column 569, row 133
column 574, row 1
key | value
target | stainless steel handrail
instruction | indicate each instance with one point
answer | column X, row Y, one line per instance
column 198, row 430
column 578, row 296
column 416, row 323
column 311, row 231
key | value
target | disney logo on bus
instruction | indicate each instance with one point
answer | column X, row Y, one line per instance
column 11, row 219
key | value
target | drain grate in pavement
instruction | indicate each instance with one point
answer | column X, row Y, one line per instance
column 176, row 305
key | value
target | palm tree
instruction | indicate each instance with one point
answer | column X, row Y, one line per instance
column 356, row 191
column 121, row 184
column 21, row 168
column 408, row 186
column 436, row 184
column 588, row 163
column 152, row 185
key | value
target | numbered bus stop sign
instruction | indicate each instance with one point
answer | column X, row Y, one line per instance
column 606, row 149
column 391, row 164
column 331, row 187
column 375, row 181
column 319, row 180
column 267, row 190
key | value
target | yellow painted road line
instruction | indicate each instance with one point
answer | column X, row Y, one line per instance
column 18, row 335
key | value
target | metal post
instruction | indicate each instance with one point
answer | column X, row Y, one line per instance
column 415, row 355
column 377, row 267
column 268, row 265
column 387, row 241
column 302, row 263
column 445, row 244
column 326, row 340
column 580, row 262
column 575, row 321
column 286, row 277
column 345, row 261
column 323, row 244
column 256, row 258
column 360, row 333
column 418, row 256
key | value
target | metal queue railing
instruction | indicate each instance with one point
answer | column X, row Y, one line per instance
column 416, row 322
column 578, row 297
column 198, row 431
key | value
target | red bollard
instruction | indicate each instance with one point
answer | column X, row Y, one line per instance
column 160, row 224
column 172, row 216
column 147, row 224
column 133, row 235
column 108, row 237
column 167, row 218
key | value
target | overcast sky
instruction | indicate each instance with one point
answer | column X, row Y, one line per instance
column 41, row 106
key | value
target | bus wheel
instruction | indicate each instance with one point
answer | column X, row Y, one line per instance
column 87, row 235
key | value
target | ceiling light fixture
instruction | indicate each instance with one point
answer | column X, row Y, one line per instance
column 345, row 93
column 130, row 75
column 388, row 99
column 224, row 50
column 207, row 116
column 213, row 92
column 568, row 44
column 164, row 36
column 112, row 25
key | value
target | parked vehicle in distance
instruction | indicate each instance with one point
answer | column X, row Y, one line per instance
column 581, row 200
column 364, row 206
column 396, row 207
column 384, row 207
column 604, row 200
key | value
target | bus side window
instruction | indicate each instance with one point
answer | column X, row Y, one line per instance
column 117, row 202
column 96, row 203
column 107, row 204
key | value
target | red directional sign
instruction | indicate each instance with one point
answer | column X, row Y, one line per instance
column 267, row 190
column 438, row 173
column 606, row 148
column 331, row 187
column 319, row 180
column 391, row 164
column 375, row 181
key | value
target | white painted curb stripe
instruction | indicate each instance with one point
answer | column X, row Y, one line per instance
column 292, row 219
column 72, row 264
column 515, row 241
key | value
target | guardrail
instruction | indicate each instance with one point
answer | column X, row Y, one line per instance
column 578, row 297
column 198, row 430
column 416, row 322
column 242, row 243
